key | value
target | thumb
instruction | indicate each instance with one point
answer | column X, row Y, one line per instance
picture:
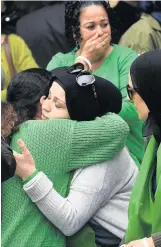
column 16, row 155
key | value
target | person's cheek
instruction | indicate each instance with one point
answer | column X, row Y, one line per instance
column 108, row 30
column 87, row 34
column 53, row 111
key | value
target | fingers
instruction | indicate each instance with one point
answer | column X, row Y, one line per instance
column 98, row 39
column 101, row 41
column 104, row 39
column 16, row 155
column 23, row 147
column 94, row 37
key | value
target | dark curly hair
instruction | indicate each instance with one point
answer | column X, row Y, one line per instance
column 25, row 90
column 23, row 97
column 72, row 14
column 9, row 121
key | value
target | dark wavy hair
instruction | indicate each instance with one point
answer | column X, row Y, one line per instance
column 72, row 14
column 9, row 121
column 25, row 90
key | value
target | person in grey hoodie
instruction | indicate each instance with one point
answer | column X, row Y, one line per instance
column 98, row 194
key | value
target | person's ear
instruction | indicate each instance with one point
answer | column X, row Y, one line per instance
column 42, row 99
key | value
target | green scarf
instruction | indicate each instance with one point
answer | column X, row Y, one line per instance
column 144, row 207
column 58, row 147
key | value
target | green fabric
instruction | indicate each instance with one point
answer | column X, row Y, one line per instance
column 135, row 141
column 144, row 207
column 85, row 237
column 30, row 177
column 115, row 68
column 144, row 35
column 58, row 146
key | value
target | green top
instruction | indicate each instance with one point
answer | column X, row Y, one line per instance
column 58, row 146
column 144, row 35
column 145, row 206
column 115, row 68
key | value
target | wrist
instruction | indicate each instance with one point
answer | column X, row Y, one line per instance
column 82, row 62
column 87, row 64
column 31, row 176
column 28, row 173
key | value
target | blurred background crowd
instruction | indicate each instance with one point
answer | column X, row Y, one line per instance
column 94, row 68
column 41, row 25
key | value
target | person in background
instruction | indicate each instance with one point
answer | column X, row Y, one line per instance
column 44, row 32
column 145, row 34
column 12, row 11
column 15, row 57
column 15, row 54
column 88, row 28
column 144, row 227
column 58, row 147
column 9, row 16
column 127, row 13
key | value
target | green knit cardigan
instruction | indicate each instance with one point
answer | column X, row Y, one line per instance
column 58, row 147
column 145, row 206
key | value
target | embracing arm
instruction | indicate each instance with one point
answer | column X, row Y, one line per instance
column 69, row 144
column 87, row 194
column 109, row 138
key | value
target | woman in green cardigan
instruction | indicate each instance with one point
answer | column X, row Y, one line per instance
column 144, row 229
column 88, row 29
column 56, row 146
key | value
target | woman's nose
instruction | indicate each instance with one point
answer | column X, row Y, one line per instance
column 99, row 31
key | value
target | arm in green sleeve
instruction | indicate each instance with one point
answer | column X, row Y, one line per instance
column 70, row 144
column 106, row 138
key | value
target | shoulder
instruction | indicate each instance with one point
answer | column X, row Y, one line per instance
column 141, row 27
column 124, row 55
column 100, row 175
column 47, row 125
column 123, row 51
column 116, row 121
column 44, row 132
column 16, row 44
column 15, row 39
column 61, row 59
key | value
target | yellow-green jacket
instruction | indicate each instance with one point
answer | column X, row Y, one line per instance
column 21, row 56
column 144, row 35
